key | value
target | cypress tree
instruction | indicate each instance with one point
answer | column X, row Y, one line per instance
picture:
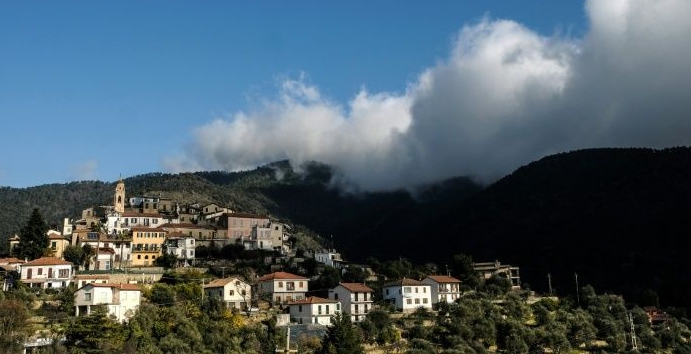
column 33, row 238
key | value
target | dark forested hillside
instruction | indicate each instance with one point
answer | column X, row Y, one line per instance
column 617, row 217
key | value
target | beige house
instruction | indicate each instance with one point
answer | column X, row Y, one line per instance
column 121, row 300
column 356, row 299
column 283, row 287
column 233, row 291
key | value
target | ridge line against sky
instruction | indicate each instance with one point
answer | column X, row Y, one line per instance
column 392, row 94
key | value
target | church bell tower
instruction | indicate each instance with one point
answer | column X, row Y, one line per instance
column 119, row 198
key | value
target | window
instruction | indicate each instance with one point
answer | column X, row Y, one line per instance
column 336, row 296
column 319, row 309
column 407, row 290
column 338, row 307
column 133, row 220
column 231, row 292
column 40, row 271
column 424, row 289
column 416, row 289
column 301, row 284
column 139, row 256
column 87, row 297
column 54, row 245
column 387, row 291
column 327, row 309
column 417, row 301
column 424, row 301
column 409, row 301
column 154, row 221
column 299, row 308
column 280, row 284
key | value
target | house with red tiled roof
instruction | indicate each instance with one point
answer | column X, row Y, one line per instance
column 121, row 300
column 408, row 294
column 233, row 291
column 46, row 272
column 313, row 310
column 444, row 288
column 356, row 299
column 283, row 287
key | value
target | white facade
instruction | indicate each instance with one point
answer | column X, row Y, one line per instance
column 444, row 288
column 314, row 310
column 356, row 299
column 283, row 287
column 233, row 291
column 182, row 247
column 408, row 294
column 329, row 257
column 121, row 300
column 46, row 272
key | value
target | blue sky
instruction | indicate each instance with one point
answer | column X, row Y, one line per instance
column 391, row 93
column 98, row 89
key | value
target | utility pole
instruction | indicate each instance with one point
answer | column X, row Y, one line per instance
column 287, row 348
column 578, row 297
column 549, row 283
column 634, row 340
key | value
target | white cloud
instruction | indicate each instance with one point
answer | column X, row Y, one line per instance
column 505, row 96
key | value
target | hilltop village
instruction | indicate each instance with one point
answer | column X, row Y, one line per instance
column 144, row 253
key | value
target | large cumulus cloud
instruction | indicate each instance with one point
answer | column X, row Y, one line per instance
column 504, row 96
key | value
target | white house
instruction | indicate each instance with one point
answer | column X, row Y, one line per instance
column 46, row 272
column 408, row 294
column 121, row 300
column 233, row 291
column 444, row 288
column 283, row 287
column 181, row 246
column 356, row 299
column 314, row 310
column 329, row 257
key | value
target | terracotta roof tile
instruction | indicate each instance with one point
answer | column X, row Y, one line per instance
column 357, row 287
column 46, row 261
column 222, row 282
column 443, row 279
column 280, row 276
column 405, row 282
column 313, row 300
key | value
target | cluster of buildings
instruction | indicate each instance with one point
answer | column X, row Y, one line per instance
column 353, row 299
column 135, row 231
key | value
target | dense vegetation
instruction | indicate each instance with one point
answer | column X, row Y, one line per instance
column 175, row 318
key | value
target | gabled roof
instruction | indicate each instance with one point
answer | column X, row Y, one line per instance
column 443, row 279
column 246, row 216
column 218, row 283
column 46, row 261
column 281, row 276
column 120, row 286
column 356, row 287
column 405, row 282
column 313, row 300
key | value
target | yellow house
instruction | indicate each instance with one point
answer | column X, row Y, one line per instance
column 57, row 244
column 146, row 245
